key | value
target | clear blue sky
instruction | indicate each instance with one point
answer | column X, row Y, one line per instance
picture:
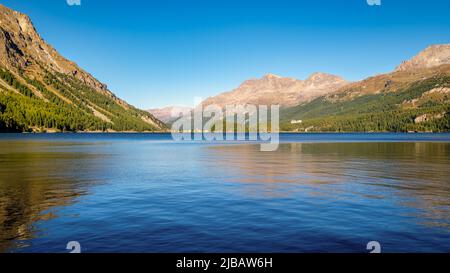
column 158, row 53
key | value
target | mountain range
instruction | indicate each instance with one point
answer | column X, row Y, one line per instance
column 169, row 114
column 41, row 91
column 413, row 97
column 273, row 89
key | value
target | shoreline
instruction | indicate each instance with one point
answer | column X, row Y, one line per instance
column 168, row 132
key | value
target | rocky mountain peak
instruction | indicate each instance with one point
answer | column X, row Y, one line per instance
column 271, row 76
column 321, row 80
column 274, row 89
column 12, row 17
column 319, row 76
column 432, row 56
column 23, row 47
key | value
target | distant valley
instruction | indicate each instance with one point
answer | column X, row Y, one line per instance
column 169, row 114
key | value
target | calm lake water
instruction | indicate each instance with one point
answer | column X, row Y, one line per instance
column 145, row 193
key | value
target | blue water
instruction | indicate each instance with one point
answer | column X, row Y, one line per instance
column 146, row 193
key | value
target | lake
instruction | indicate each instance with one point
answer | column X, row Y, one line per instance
column 146, row 193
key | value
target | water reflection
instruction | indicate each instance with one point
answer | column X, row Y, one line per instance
column 417, row 173
column 144, row 195
column 35, row 179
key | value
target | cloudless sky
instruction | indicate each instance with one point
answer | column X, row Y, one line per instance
column 167, row 52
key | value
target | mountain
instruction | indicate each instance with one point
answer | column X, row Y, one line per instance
column 414, row 97
column 273, row 89
column 432, row 56
column 40, row 90
column 166, row 114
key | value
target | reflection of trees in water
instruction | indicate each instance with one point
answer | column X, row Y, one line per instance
column 23, row 205
column 32, row 183
column 418, row 172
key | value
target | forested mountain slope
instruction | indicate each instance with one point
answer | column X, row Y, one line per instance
column 42, row 91
column 415, row 97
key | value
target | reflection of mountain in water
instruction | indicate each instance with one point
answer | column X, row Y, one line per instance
column 416, row 172
column 35, row 181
